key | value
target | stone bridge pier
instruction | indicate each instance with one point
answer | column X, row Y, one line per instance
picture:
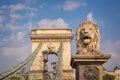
column 51, row 39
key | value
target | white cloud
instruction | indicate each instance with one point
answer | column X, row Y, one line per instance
column 3, row 6
column 14, row 26
column 17, row 7
column 90, row 17
column 41, row 6
column 1, row 26
column 20, row 52
column 1, row 12
column 47, row 23
column 28, row 26
column 109, row 46
column 17, row 33
column 11, row 26
column 112, row 48
column 17, row 38
column 15, row 45
column 31, row 14
column 113, row 61
column 31, row 8
column 14, row 16
column 2, row 19
column 71, row 5
column 20, row 36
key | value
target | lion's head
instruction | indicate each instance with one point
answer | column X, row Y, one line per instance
column 88, row 37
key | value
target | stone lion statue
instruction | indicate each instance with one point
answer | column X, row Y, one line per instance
column 88, row 37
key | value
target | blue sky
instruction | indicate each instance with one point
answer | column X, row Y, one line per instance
column 18, row 17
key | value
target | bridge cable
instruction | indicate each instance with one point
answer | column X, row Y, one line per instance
column 30, row 59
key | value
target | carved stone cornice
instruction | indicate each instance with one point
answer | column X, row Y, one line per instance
column 51, row 37
column 89, row 59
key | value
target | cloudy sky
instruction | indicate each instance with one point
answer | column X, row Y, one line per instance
column 18, row 17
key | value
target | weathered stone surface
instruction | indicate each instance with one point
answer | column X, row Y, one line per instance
column 88, row 37
column 80, row 61
column 88, row 60
column 51, row 39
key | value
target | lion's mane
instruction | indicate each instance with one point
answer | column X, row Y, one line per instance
column 94, row 45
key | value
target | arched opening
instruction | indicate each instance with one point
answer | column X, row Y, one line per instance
column 52, row 58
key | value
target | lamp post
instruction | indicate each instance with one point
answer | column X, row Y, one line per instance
column 45, row 59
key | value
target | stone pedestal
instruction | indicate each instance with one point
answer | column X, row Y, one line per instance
column 88, row 66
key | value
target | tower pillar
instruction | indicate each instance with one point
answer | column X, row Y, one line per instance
column 51, row 39
column 88, row 60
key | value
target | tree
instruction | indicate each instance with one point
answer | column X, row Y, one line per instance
column 108, row 77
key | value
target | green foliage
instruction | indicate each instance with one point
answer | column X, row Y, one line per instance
column 108, row 77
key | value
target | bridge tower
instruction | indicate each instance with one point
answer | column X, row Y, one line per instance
column 51, row 38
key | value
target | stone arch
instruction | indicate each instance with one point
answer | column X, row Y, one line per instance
column 52, row 58
column 47, row 37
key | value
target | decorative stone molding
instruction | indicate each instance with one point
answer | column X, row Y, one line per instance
column 51, row 39
column 51, row 47
column 89, row 59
